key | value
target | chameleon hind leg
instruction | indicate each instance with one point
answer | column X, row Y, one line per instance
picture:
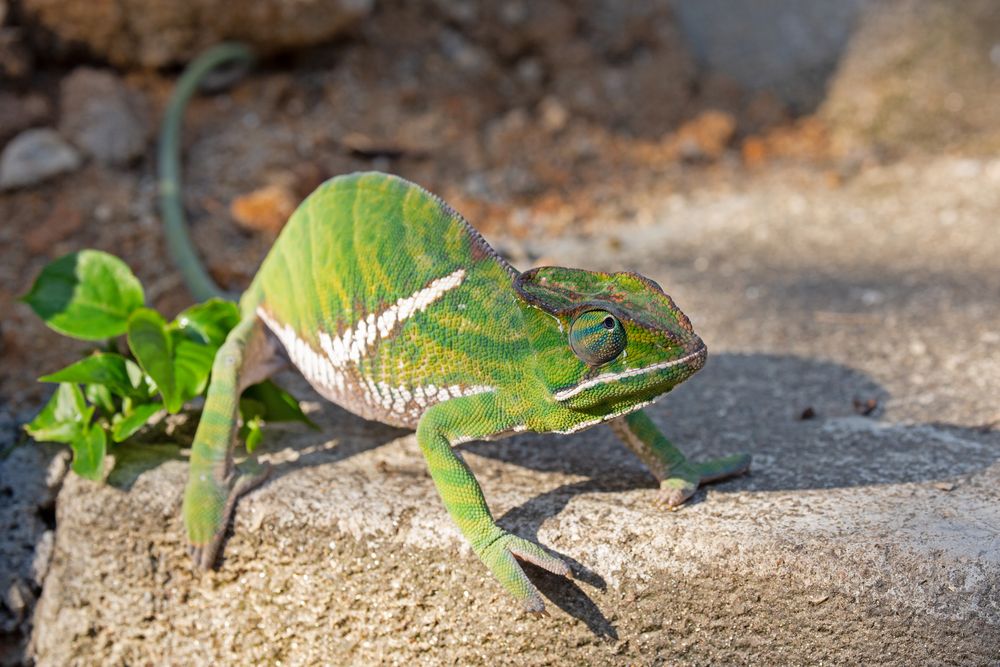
column 678, row 477
column 460, row 420
column 215, row 483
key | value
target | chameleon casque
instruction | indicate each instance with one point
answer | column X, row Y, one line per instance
column 391, row 305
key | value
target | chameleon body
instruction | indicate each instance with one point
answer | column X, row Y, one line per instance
column 394, row 307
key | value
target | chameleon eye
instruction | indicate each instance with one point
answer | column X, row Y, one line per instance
column 597, row 337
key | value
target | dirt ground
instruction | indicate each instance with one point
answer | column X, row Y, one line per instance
column 490, row 121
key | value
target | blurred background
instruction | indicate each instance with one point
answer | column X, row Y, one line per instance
column 814, row 179
column 534, row 119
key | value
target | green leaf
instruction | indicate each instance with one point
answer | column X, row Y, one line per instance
column 152, row 346
column 99, row 395
column 209, row 322
column 125, row 427
column 278, row 404
column 88, row 294
column 192, row 366
column 88, row 452
column 141, row 382
column 106, row 369
column 250, row 409
column 254, row 434
column 63, row 418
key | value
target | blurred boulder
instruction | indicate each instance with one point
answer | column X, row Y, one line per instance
column 35, row 156
column 789, row 47
column 102, row 116
column 919, row 74
column 154, row 33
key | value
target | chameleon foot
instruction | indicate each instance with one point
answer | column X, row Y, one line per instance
column 208, row 508
column 499, row 556
column 688, row 477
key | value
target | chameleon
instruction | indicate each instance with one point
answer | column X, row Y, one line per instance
column 393, row 306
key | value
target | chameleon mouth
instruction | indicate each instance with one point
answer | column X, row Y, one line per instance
column 696, row 359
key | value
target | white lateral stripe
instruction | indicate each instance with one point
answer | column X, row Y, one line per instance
column 332, row 381
column 350, row 346
column 611, row 377
column 314, row 366
column 613, row 415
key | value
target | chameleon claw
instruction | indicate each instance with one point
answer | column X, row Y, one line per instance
column 534, row 605
column 502, row 558
column 207, row 528
column 534, row 554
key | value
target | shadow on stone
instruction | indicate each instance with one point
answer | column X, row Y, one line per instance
column 566, row 594
column 133, row 459
column 352, row 434
column 756, row 403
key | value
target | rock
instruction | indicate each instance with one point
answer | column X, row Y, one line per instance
column 102, row 116
column 347, row 557
column 786, row 46
column 552, row 114
column 919, row 74
column 19, row 112
column 840, row 548
column 35, row 156
column 155, row 33
column 29, row 479
column 265, row 209
column 706, row 136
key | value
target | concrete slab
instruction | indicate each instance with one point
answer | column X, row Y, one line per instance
column 857, row 539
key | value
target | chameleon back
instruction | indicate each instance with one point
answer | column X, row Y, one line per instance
column 387, row 300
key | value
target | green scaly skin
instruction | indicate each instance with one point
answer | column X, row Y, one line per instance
column 393, row 306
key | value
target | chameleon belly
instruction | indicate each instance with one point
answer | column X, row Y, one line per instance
column 387, row 300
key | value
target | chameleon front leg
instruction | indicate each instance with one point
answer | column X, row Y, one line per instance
column 678, row 477
column 214, row 483
column 460, row 420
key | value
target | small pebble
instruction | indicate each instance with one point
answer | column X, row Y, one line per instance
column 101, row 116
column 35, row 156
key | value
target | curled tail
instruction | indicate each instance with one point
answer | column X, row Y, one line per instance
column 179, row 243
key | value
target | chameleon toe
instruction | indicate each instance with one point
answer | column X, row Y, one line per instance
column 534, row 554
column 723, row 468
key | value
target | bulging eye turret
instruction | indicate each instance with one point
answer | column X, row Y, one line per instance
column 597, row 337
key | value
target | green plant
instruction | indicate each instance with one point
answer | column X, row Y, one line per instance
column 108, row 396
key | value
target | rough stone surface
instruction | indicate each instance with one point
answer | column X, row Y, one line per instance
column 856, row 540
column 35, row 156
column 919, row 73
column 154, row 33
column 29, row 479
column 102, row 116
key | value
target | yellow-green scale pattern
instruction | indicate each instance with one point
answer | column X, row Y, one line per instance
column 413, row 304
column 394, row 307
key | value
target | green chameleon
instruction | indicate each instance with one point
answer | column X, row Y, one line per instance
column 393, row 307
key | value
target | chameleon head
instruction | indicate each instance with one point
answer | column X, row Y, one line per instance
column 606, row 343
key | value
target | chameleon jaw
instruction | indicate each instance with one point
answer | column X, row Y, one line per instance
column 632, row 372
